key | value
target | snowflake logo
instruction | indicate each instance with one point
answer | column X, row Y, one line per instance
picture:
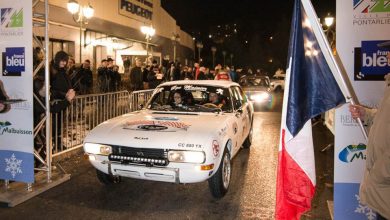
column 13, row 165
column 363, row 209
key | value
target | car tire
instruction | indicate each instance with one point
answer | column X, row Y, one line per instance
column 220, row 181
column 278, row 89
column 107, row 179
column 248, row 141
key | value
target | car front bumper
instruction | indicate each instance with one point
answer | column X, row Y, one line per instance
column 174, row 172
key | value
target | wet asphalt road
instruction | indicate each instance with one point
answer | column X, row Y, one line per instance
column 251, row 194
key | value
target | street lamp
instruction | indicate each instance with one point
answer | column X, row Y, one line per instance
column 231, row 59
column 213, row 50
column 149, row 32
column 224, row 55
column 199, row 45
column 175, row 39
column 84, row 13
column 330, row 33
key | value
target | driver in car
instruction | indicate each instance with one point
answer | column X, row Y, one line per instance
column 214, row 100
column 177, row 99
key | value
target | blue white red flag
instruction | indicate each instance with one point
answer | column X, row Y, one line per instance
column 312, row 87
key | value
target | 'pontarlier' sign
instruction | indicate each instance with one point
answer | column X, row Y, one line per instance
column 136, row 8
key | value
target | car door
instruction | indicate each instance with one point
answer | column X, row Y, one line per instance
column 246, row 114
column 237, row 117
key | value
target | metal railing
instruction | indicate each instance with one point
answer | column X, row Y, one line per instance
column 71, row 126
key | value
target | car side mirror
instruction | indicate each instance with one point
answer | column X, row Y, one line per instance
column 239, row 112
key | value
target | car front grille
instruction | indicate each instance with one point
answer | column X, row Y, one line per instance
column 145, row 156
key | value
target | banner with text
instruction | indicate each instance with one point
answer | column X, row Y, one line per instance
column 362, row 27
column 16, row 104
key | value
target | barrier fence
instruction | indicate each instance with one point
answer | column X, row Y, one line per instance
column 70, row 127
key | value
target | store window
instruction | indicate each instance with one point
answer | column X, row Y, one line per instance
column 58, row 45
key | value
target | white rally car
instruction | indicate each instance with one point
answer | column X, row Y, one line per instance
column 184, row 140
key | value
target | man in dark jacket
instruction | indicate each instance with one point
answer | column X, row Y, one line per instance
column 102, row 76
column 136, row 82
column 85, row 78
column 61, row 86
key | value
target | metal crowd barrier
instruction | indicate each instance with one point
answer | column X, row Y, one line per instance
column 70, row 127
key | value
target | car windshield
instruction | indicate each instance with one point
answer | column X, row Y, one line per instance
column 190, row 98
column 258, row 81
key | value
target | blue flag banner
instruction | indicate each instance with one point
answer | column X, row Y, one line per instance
column 313, row 88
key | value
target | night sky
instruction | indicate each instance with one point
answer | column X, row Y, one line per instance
column 256, row 21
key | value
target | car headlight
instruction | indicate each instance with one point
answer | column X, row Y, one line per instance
column 101, row 149
column 260, row 97
column 186, row 156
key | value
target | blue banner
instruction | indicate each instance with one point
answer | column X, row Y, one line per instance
column 347, row 203
column 16, row 91
column 16, row 166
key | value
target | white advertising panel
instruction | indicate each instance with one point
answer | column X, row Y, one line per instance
column 362, row 26
column 16, row 104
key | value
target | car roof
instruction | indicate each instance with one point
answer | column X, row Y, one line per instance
column 219, row 83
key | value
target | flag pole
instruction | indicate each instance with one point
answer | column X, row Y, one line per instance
column 333, row 65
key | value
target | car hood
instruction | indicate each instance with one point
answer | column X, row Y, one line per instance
column 151, row 129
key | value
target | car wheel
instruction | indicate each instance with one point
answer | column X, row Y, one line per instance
column 248, row 141
column 107, row 179
column 219, row 183
column 278, row 89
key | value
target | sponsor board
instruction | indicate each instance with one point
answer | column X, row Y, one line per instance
column 11, row 21
column 16, row 166
column 371, row 63
column 7, row 128
column 352, row 153
column 13, row 61
column 347, row 204
column 369, row 12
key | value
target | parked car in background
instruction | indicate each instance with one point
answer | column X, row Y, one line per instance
column 277, row 83
column 257, row 89
column 189, row 132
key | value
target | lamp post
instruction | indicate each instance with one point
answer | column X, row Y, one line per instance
column 213, row 50
column 199, row 45
column 224, row 55
column 175, row 39
column 149, row 32
column 231, row 60
column 84, row 13
column 330, row 33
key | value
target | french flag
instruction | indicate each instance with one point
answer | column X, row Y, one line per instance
column 314, row 85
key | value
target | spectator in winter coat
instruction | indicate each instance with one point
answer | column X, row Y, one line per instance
column 102, row 76
column 155, row 77
column 86, row 80
column 136, row 82
column 61, row 87
column 202, row 75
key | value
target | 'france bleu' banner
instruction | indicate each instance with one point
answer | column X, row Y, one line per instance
column 16, row 99
column 312, row 87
